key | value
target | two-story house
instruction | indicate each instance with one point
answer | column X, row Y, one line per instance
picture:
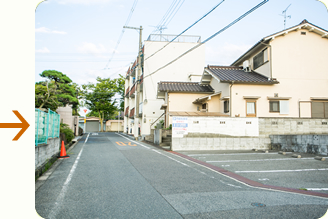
column 283, row 75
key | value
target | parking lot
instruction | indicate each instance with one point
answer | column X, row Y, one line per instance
column 271, row 168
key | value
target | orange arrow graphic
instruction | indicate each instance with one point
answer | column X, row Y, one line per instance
column 24, row 125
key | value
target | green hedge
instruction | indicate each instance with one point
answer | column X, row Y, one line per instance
column 64, row 128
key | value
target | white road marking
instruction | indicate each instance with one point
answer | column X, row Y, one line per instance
column 265, row 179
column 62, row 193
column 233, row 186
column 170, row 157
column 196, row 155
column 94, row 133
column 317, row 189
column 86, row 139
column 281, row 171
column 225, row 161
column 243, row 183
column 225, row 165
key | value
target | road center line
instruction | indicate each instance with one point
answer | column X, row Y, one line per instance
column 62, row 193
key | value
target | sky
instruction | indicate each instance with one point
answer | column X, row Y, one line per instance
column 79, row 37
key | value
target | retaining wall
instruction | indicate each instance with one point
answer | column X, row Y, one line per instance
column 313, row 144
column 225, row 133
column 44, row 152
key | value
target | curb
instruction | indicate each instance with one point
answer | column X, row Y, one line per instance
column 44, row 176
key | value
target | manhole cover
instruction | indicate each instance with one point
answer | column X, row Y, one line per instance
column 258, row 204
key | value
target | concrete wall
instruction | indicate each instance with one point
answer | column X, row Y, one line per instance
column 224, row 133
column 313, row 144
column 46, row 151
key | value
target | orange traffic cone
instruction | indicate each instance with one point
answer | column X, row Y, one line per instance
column 63, row 152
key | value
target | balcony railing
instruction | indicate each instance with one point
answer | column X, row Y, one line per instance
column 169, row 38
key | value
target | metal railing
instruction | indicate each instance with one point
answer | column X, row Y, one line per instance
column 169, row 38
column 47, row 125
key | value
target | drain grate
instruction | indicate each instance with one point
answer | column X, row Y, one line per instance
column 258, row 204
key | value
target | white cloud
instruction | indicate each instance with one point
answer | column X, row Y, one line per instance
column 90, row 48
column 83, row 2
column 226, row 54
column 47, row 30
column 43, row 50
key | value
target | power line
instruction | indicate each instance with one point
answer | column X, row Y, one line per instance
column 167, row 22
column 169, row 14
column 123, row 30
column 187, row 28
column 211, row 37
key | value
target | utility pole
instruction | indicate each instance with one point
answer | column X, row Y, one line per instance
column 136, row 122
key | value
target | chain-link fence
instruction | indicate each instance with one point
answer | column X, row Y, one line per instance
column 47, row 125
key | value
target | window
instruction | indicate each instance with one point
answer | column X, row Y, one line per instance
column 319, row 109
column 258, row 60
column 250, row 108
column 226, row 106
column 279, row 106
column 204, row 106
column 274, row 106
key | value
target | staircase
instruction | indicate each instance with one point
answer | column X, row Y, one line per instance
column 166, row 141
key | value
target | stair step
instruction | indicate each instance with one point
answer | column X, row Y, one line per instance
column 165, row 144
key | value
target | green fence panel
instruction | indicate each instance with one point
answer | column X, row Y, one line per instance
column 47, row 125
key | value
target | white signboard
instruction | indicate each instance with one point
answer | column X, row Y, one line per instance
column 179, row 126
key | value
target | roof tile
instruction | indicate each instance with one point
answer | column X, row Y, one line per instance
column 190, row 87
column 237, row 74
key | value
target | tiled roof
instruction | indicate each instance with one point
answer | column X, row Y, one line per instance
column 238, row 75
column 189, row 87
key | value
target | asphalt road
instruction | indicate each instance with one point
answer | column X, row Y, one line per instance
column 111, row 176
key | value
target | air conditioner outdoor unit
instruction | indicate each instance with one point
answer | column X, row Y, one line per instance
column 246, row 66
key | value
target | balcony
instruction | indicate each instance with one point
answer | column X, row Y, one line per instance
column 131, row 113
column 127, row 92
column 126, row 112
column 128, row 72
column 133, row 69
column 132, row 91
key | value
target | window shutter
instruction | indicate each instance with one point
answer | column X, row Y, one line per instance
column 317, row 109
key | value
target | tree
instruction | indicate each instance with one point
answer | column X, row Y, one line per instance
column 99, row 98
column 120, row 90
column 63, row 88
column 45, row 95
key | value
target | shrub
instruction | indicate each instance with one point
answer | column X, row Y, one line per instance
column 64, row 128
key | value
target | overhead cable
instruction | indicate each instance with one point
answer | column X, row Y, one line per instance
column 123, row 30
column 187, row 29
column 211, row 37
